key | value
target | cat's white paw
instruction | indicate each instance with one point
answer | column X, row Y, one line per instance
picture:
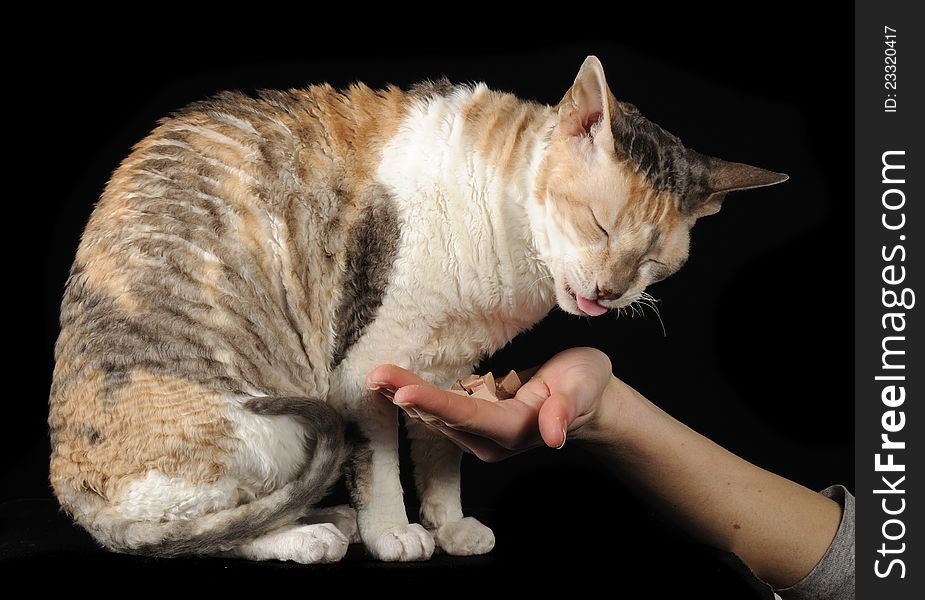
column 306, row 544
column 466, row 537
column 318, row 543
column 404, row 543
column 343, row 517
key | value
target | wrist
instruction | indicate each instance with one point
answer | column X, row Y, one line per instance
column 612, row 422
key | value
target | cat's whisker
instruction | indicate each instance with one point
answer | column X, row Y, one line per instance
column 651, row 301
column 537, row 281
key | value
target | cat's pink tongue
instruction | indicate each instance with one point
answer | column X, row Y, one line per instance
column 590, row 307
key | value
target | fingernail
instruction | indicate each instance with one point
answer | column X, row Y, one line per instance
column 383, row 388
column 562, row 445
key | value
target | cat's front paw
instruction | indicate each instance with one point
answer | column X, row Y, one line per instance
column 466, row 537
column 404, row 543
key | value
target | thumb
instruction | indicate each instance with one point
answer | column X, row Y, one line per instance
column 556, row 414
column 389, row 375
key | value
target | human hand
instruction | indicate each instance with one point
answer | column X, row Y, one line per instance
column 562, row 399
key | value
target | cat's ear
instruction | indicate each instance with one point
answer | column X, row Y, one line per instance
column 586, row 108
column 724, row 177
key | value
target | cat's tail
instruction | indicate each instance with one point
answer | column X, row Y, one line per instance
column 226, row 529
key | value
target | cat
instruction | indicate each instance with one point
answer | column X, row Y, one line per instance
column 253, row 258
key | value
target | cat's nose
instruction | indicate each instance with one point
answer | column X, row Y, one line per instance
column 605, row 294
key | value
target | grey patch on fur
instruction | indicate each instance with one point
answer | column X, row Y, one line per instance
column 163, row 340
column 667, row 165
column 371, row 245
column 431, row 88
column 327, row 448
column 91, row 434
column 653, row 243
column 358, row 466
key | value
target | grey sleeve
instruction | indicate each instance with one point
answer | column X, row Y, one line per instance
column 833, row 577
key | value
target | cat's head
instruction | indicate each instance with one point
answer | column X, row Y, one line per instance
column 620, row 196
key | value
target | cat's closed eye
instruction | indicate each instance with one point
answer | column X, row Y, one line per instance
column 598, row 223
column 659, row 270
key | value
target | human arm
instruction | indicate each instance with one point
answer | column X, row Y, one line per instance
column 779, row 528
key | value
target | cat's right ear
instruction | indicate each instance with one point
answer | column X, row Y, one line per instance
column 586, row 108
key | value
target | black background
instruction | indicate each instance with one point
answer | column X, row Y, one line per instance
column 757, row 352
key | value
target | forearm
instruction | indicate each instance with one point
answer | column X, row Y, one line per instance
column 777, row 527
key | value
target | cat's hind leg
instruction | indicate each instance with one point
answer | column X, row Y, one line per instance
column 167, row 515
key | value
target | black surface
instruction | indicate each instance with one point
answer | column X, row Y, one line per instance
column 555, row 555
column 758, row 321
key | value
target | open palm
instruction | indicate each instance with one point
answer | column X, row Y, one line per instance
column 561, row 398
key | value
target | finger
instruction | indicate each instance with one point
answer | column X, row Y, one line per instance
column 556, row 414
column 389, row 375
column 496, row 420
column 445, row 406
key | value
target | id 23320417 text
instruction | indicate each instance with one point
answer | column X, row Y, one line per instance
column 891, row 102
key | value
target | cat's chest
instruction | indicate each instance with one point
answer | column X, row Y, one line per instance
column 464, row 278
column 455, row 232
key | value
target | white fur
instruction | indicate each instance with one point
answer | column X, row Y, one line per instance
column 306, row 544
column 270, row 450
column 465, row 537
column 403, row 543
column 157, row 497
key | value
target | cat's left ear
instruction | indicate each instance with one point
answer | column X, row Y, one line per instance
column 724, row 177
column 586, row 108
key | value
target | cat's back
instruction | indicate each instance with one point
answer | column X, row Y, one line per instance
column 214, row 266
